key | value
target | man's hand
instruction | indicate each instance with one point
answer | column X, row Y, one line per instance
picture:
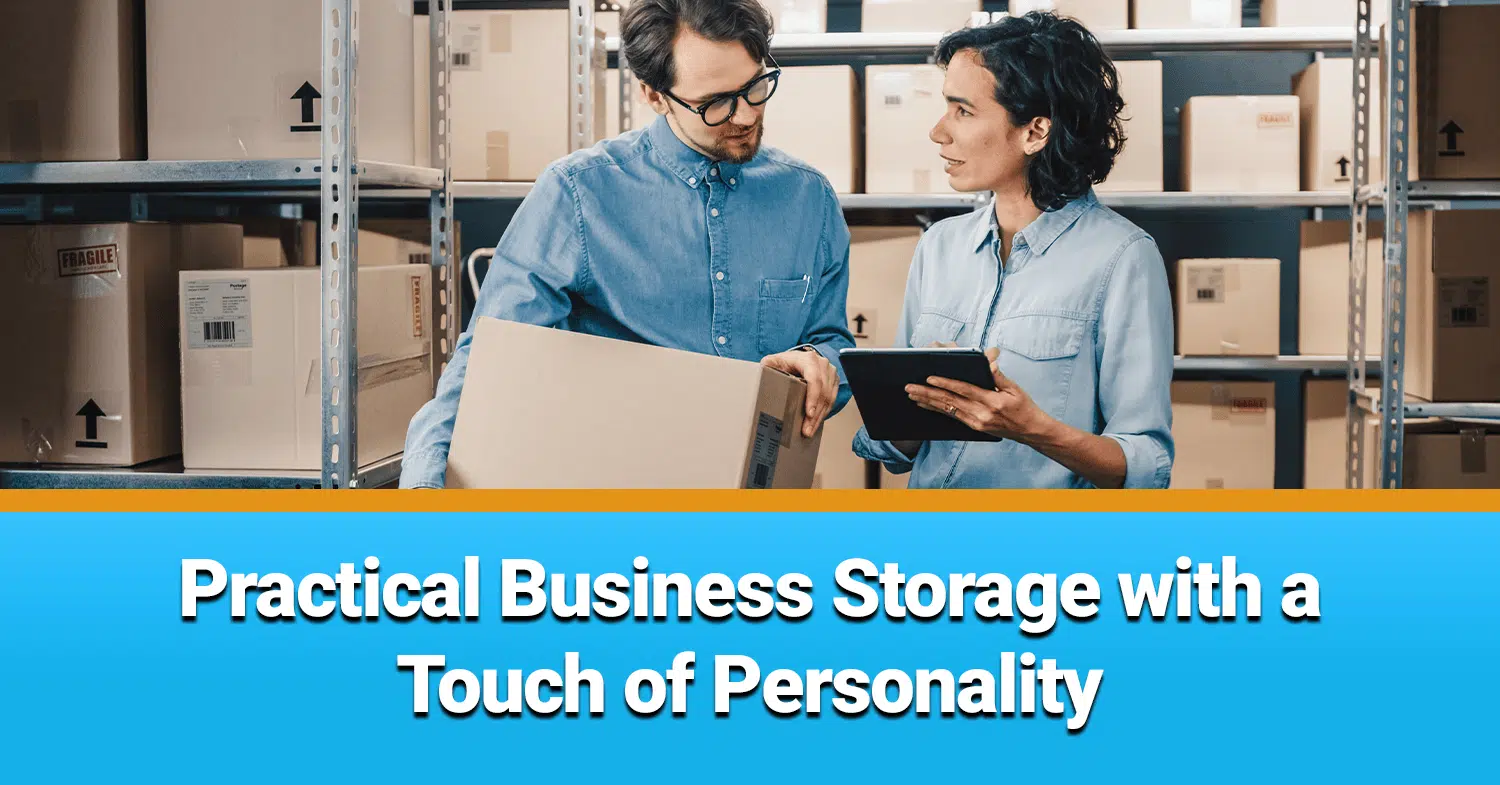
column 822, row 383
column 1007, row 411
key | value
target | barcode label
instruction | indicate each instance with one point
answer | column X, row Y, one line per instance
column 217, row 311
column 461, row 59
column 1464, row 302
column 218, row 332
column 893, row 100
column 1206, row 284
column 763, row 454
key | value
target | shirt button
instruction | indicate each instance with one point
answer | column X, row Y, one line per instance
column 714, row 212
column 723, row 340
column 719, row 276
column 714, row 171
column 731, row 181
column 692, row 181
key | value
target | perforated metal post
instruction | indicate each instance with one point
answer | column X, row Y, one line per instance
column 627, row 95
column 441, row 205
column 583, row 53
column 1364, row 54
column 1392, row 367
column 340, row 221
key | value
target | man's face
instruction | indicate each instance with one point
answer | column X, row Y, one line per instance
column 706, row 70
column 982, row 148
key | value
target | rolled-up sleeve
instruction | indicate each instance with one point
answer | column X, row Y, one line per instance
column 536, row 265
column 911, row 307
column 1135, row 364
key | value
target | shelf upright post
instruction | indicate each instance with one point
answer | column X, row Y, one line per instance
column 584, row 52
column 441, row 202
column 339, row 233
column 1392, row 367
column 1359, row 213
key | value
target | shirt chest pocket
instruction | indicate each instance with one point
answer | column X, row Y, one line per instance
column 781, row 314
column 934, row 328
column 1039, row 352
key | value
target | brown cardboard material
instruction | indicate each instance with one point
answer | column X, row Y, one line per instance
column 916, row 16
column 1468, row 459
column 70, row 87
column 251, row 394
column 1324, row 409
column 1451, row 328
column 1316, row 13
column 902, row 104
column 1323, row 90
column 1179, row 14
column 97, row 307
column 1139, row 165
column 1228, row 307
column 812, row 117
column 1225, row 435
column 1245, row 144
column 672, row 419
column 1456, row 131
column 798, row 16
column 879, row 261
column 1096, row 15
column 1323, row 275
column 503, row 128
column 228, row 97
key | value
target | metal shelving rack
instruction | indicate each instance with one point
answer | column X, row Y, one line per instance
column 339, row 175
column 1398, row 195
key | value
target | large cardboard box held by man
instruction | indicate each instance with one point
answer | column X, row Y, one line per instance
column 1225, row 434
column 1243, row 143
column 902, row 104
column 547, row 408
column 69, row 90
column 91, row 359
column 251, row 354
column 1228, row 307
column 1139, row 165
column 230, row 80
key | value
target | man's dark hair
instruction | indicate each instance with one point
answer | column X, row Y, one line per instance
column 648, row 29
column 1047, row 66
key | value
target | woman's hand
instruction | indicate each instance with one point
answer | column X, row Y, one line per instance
column 1006, row 411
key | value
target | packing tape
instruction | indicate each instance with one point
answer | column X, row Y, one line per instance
column 1471, row 451
column 392, row 372
column 497, row 155
column 23, row 119
column 500, row 33
column 792, row 414
column 35, row 444
column 1219, row 400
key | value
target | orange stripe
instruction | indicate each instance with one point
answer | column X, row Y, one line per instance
column 750, row 501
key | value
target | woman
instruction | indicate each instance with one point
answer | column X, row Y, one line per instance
column 1068, row 299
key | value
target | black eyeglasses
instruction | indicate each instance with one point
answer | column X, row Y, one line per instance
column 721, row 109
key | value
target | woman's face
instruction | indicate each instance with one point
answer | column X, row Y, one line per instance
column 983, row 149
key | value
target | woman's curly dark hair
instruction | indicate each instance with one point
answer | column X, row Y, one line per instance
column 1049, row 66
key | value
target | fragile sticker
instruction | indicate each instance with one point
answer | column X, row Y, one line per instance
column 1248, row 405
column 1206, row 284
column 1464, row 302
column 218, row 313
column 417, row 311
column 88, row 260
column 762, row 471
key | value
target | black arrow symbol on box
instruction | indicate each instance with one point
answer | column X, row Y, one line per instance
column 1343, row 163
column 91, row 414
column 859, row 324
column 1451, row 130
column 306, row 94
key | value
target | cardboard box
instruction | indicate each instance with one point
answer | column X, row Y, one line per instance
column 641, row 113
column 1179, row 14
column 1325, row 404
column 812, row 117
column 671, row 419
column 1242, row 144
column 1456, row 121
column 251, row 354
column 902, row 104
column 505, row 128
column 1437, row 458
column 1225, row 435
column 1228, row 307
column 1096, row 15
column 1451, row 331
column 916, row 16
column 92, row 359
column 1325, row 91
column 1139, row 165
column 229, row 80
column 70, row 90
column 879, row 263
column 798, row 16
column 1323, row 275
column 1317, row 13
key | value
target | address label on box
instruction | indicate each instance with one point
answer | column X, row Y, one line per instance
column 1464, row 302
column 218, row 313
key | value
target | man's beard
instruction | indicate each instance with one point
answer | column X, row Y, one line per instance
column 740, row 149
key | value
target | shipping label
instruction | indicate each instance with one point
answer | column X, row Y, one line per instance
column 762, row 472
column 1464, row 302
column 466, row 46
column 1205, row 284
column 218, row 313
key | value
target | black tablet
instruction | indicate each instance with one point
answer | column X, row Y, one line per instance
column 879, row 378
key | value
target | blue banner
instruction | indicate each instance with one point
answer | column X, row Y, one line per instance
column 745, row 647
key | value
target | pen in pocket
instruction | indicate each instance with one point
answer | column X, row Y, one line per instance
column 806, row 287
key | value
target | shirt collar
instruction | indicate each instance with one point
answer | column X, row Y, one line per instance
column 1042, row 232
column 691, row 167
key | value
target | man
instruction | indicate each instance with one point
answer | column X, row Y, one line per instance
column 1069, row 299
column 686, row 234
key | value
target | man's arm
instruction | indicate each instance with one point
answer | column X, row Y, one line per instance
column 538, row 261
